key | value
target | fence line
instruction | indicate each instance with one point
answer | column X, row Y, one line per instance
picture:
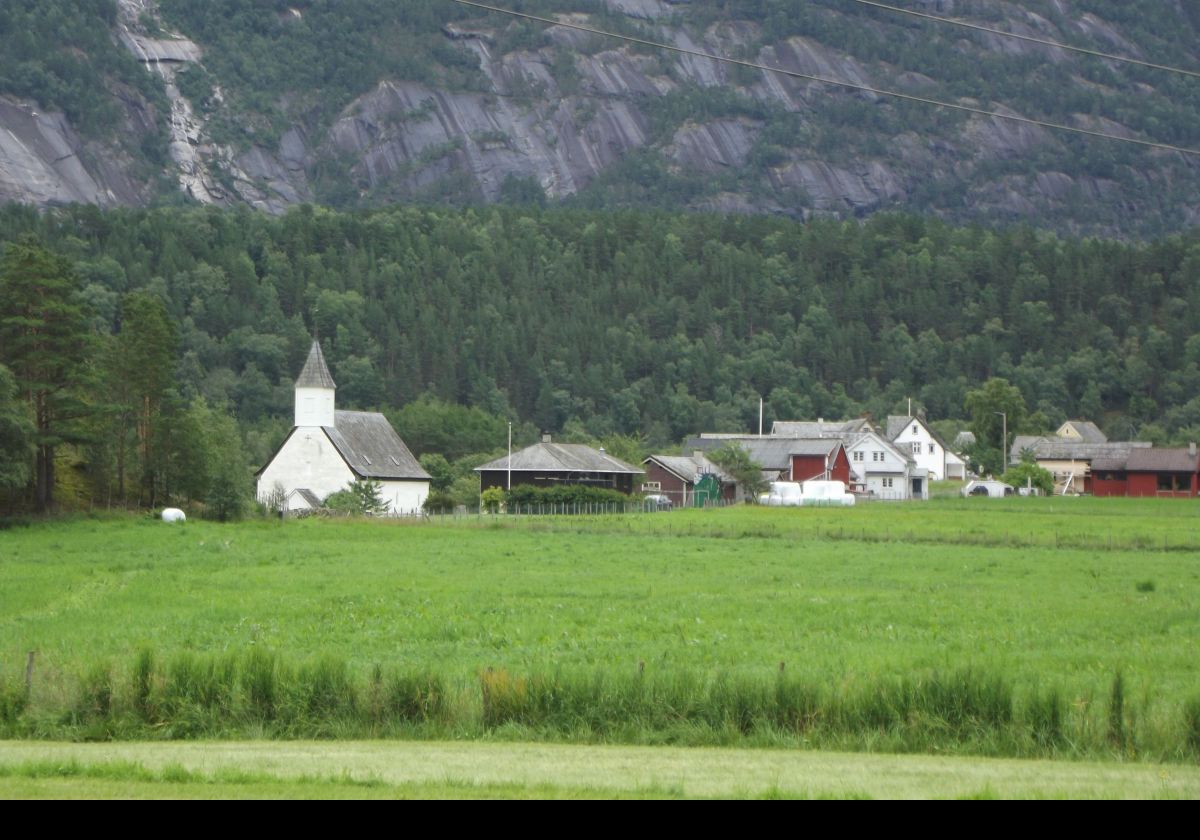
column 546, row 514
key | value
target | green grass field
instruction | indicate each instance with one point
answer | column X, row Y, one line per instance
column 969, row 626
column 376, row 769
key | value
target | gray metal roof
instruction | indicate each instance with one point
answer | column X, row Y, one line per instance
column 772, row 453
column 1059, row 449
column 878, row 440
column 687, row 467
column 819, row 428
column 560, row 457
column 315, row 373
column 896, row 424
column 1088, row 431
column 1162, row 460
column 309, row 496
column 371, row 446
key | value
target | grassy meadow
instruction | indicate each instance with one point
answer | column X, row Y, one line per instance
column 1023, row 627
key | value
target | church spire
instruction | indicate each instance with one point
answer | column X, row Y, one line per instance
column 315, row 391
column 316, row 372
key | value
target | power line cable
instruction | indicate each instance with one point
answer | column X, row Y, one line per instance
column 1043, row 41
column 852, row 85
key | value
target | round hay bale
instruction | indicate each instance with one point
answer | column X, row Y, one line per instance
column 173, row 515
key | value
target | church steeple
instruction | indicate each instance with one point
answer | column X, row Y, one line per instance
column 314, row 391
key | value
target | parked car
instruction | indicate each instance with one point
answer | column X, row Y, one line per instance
column 657, row 501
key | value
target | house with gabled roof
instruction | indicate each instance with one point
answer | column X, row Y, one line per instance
column 913, row 435
column 786, row 458
column 550, row 464
column 1081, row 431
column 885, row 471
column 682, row 477
column 327, row 449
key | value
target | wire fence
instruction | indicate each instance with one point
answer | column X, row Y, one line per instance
column 605, row 518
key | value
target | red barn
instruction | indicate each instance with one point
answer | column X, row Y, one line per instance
column 1174, row 473
column 822, row 458
column 1163, row 472
column 1109, row 477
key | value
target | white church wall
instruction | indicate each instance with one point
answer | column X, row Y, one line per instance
column 308, row 459
column 314, row 407
column 404, row 498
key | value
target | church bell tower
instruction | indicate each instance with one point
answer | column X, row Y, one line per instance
column 314, row 391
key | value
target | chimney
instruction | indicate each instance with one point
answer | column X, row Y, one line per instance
column 1192, row 450
column 697, row 455
column 545, row 437
column 601, row 450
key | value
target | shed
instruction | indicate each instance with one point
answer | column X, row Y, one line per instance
column 687, row 480
column 549, row 464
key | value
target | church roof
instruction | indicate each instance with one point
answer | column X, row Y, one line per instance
column 316, row 372
column 371, row 447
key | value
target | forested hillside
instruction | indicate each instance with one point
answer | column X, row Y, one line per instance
column 644, row 324
column 353, row 103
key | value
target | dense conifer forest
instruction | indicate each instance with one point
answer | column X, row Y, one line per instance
column 636, row 327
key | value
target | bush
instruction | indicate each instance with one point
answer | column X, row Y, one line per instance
column 1040, row 478
column 566, row 494
column 491, row 499
column 439, row 502
column 360, row 497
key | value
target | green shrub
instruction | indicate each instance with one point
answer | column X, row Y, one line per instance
column 439, row 502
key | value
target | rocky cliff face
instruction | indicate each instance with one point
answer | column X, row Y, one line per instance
column 574, row 107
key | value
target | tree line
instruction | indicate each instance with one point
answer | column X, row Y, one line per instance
column 174, row 331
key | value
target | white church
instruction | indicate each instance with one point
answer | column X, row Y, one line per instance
column 327, row 449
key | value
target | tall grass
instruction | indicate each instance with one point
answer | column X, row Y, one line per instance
column 258, row 693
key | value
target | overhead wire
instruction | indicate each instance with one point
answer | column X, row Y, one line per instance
column 1029, row 38
column 837, row 82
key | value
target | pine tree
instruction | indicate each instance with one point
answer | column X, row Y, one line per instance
column 46, row 342
column 16, row 435
column 142, row 367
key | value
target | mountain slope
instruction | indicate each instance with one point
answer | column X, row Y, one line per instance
column 366, row 102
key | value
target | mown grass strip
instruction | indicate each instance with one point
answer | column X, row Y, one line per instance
column 213, row 769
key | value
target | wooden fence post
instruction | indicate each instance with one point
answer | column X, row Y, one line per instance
column 29, row 674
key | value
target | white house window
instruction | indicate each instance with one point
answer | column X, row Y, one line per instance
column 858, row 456
column 932, row 448
column 916, row 447
column 914, row 428
column 887, row 482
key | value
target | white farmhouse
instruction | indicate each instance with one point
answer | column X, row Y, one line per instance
column 327, row 449
column 911, row 435
column 884, row 470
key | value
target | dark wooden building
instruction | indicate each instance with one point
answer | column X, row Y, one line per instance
column 549, row 464
column 677, row 476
